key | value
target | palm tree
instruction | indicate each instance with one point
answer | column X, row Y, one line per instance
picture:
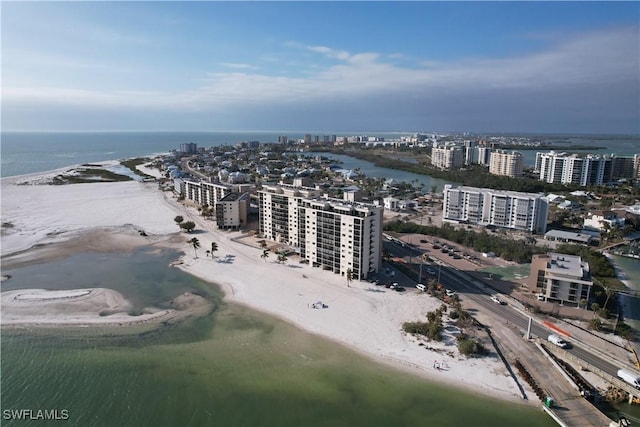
column 208, row 252
column 349, row 275
column 610, row 292
column 214, row 248
column 265, row 254
column 196, row 244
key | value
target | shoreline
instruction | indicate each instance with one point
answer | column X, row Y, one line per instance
column 360, row 317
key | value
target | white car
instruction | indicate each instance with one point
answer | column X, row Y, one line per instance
column 496, row 299
column 449, row 292
column 421, row 287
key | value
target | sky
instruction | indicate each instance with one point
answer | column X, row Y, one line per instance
column 542, row 67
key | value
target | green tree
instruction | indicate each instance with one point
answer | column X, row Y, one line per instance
column 349, row 275
column 282, row 257
column 178, row 219
column 188, row 226
column 195, row 243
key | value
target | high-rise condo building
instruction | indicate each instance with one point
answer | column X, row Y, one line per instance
column 590, row 169
column 334, row 234
column 506, row 163
column 506, row 209
column 448, row 157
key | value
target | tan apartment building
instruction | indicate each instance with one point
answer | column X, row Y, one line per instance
column 506, row 163
column 560, row 278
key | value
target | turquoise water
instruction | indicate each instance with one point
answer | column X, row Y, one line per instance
column 233, row 367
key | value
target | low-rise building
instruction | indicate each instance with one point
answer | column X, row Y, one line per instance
column 601, row 220
column 568, row 237
column 231, row 211
column 564, row 279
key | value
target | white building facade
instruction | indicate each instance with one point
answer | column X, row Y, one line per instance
column 333, row 234
column 590, row 169
column 506, row 163
column 450, row 157
column 506, row 209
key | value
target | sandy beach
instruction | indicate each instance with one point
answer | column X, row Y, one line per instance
column 110, row 216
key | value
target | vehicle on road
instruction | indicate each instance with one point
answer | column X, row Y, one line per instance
column 431, row 271
column 629, row 377
column 497, row 300
column 557, row 340
column 421, row 287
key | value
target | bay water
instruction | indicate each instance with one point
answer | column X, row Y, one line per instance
column 233, row 367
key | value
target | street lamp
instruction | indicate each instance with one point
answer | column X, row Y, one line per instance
column 422, row 259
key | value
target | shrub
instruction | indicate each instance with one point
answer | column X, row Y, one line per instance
column 469, row 347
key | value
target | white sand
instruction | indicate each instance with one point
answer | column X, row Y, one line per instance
column 70, row 307
column 48, row 213
column 363, row 317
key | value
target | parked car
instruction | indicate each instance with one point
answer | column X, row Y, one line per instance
column 424, row 241
column 431, row 271
column 421, row 287
column 449, row 292
column 399, row 288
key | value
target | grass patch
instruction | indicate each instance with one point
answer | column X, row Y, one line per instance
column 89, row 175
column 132, row 163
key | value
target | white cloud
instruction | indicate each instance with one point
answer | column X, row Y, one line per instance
column 239, row 66
column 607, row 58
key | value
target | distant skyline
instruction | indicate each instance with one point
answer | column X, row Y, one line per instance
column 535, row 67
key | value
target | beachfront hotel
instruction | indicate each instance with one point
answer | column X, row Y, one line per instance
column 560, row 278
column 334, row 234
column 506, row 209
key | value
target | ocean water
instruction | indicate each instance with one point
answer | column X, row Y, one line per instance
column 30, row 152
column 234, row 367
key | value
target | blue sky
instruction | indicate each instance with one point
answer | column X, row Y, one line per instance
column 322, row 66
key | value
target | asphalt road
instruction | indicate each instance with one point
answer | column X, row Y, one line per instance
column 465, row 287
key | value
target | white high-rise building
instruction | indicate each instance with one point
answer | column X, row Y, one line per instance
column 506, row 209
column 334, row 234
column 506, row 163
column 450, row 157
column 590, row 169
